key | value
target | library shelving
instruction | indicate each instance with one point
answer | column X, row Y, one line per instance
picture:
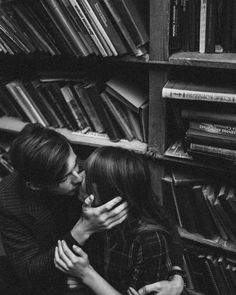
column 155, row 67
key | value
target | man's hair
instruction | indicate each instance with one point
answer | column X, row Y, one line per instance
column 40, row 155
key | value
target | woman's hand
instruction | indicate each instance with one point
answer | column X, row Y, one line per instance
column 75, row 264
column 96, row 219
column 173, row 287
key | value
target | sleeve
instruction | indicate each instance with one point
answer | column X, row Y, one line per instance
column 150, row 259
column 176, row 248
column 33, row 261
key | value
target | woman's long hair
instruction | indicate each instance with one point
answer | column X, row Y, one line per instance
column 120, row 172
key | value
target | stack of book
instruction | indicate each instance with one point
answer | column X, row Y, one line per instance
column 74, row 27
column 196, row 201
column 207, row 26
column 210, row 128
column 118, row 108
column 210, row 273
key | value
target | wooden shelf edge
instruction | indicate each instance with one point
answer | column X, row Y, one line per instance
column 211, row 60
column 218, row 244
column 15, row 125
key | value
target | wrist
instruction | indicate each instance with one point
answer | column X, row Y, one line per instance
column 80, row 232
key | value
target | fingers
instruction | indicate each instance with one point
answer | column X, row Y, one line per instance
column 149, row 288
column 117, row 221
column 60, row 264
column 109, row 205
column 88, row 201
column 132, row 291
column 80, row 252
column 62, row 254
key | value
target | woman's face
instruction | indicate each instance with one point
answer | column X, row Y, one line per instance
column 83, row 194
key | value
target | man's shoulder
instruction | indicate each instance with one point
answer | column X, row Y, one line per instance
column 9, row 187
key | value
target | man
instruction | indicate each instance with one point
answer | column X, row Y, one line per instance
column 38, row 206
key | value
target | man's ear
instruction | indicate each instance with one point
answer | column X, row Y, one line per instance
column 32, row 186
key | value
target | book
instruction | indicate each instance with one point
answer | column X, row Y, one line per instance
column 133, row 20
column 187, row 90
column 118, row 114
column 215, row 151
column 201, row 137
column 75, row 108
column 133, row 96
column 213, row 128
column 80, row 89
column 88, row 27
column 207, row 26
column 137, row 51
column 98, row 28
column 209, row 195
column 66, row 25
column 110, row 29
column 200, row 115
column 21, row 96
column 177, row 13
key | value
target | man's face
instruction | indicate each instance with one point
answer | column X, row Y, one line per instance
column 72, row 180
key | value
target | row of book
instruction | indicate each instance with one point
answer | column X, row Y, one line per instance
column 118, row 107
column 73, row 27
column 209, row 127
column 210, row 273
column 207, row 26
column 201, row 206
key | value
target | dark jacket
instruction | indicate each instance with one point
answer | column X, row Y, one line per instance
column 31, row 224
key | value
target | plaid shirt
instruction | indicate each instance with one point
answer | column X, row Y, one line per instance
column 127, row 256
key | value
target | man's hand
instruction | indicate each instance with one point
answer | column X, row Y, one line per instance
column 96, row 219
column 173, row 287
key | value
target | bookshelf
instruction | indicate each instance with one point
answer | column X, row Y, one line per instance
column 155, row 67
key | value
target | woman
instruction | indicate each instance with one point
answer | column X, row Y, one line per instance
column 132, row 254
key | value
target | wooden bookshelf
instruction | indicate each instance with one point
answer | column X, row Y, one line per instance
column 15, row 125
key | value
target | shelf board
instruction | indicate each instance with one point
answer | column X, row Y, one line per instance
column 218, row 244
column 15, row 125
column 208, row 60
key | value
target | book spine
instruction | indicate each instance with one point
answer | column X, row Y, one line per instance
column 110, row 6
column 213, row 128
column 214, row 150
column 88, row 27
column 203, row 24
column 198, row 95
column 99, row 27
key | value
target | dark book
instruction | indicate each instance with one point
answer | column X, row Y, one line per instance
column 169, row 201
column 75, row 108
column 133, row 96
column 228, row 288
column 133, row 20
column 201, row 137
column 118, row 113
column 87, row 25
column 225, row 220
column 204, row 219
column 214, row 269
column 111, row 7
column 213, row 128
column 24, row 100
column 33, row 29
column 135, row 124
column 55, row 88
column 209, row 194
column 85, row 39
column 189, row 177
column 98, row 28
column 109, row 124
column 108, row 26
column 178, row 13
column 89, row 107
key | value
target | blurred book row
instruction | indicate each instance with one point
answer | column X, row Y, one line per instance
column 74, row 27
column 117, row 107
